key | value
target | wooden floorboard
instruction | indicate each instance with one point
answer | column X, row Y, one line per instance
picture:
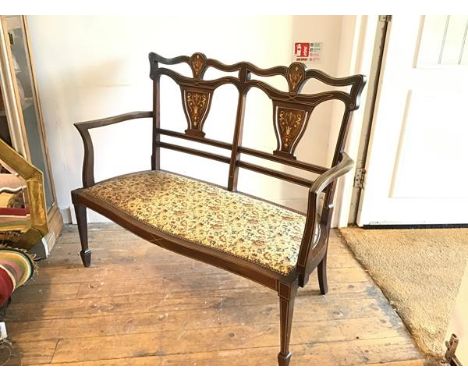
column 142, row 305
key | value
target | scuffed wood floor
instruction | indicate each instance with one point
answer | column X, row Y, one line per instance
column 142, row 305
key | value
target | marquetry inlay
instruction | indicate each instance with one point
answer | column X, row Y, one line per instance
column 197, row 63
column 196, row 105
column 290, row 125
column 295, row 76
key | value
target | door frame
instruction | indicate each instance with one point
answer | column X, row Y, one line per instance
column 377, row 67
column 361, row 41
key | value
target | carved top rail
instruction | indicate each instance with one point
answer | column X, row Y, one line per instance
column 291, row 109
column 295, row 74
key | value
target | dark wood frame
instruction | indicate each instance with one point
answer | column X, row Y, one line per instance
column 296, row 109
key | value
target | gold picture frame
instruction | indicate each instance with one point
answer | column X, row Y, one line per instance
column 32, row 231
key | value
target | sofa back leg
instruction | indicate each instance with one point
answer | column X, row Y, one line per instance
column 322, row 275
column 82, row 222
column 287, row 295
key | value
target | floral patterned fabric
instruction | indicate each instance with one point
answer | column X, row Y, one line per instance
column 236, row 224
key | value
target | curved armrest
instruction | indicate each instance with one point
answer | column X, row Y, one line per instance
column 111, row 120
column 83, row 127
column 319, row 185
column 345, row 165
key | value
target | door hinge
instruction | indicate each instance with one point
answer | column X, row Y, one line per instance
column 385, row 18
column 360, row 177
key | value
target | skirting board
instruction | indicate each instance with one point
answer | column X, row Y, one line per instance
column 69, row 216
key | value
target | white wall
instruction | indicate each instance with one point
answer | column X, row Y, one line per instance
column 92, row 67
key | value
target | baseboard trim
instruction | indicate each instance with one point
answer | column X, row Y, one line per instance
column 66, row 215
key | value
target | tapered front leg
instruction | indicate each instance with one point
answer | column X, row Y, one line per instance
column 287, row 295
column 82, row 221
column 322, row 275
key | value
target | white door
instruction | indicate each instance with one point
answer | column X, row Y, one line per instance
column 417, row 166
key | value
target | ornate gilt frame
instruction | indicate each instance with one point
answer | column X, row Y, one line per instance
column 16, row 122
column 37, row 228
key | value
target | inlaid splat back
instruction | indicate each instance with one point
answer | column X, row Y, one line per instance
column 290, row 124
column 196, row 103
column 291, row 110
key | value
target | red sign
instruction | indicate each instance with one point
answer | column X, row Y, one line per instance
column 307, row 51
column 302, row 49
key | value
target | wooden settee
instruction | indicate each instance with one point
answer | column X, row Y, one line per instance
column 266, row 243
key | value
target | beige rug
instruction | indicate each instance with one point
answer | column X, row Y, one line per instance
column 419, row 271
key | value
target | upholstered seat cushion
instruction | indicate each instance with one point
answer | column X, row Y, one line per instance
column 236, row 224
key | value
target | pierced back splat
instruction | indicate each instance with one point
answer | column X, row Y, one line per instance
column 290, row 124
column 290, row 119
column 196, row 103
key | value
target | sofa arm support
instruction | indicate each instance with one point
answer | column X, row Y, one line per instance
column 313, row 220
column 83, row 129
